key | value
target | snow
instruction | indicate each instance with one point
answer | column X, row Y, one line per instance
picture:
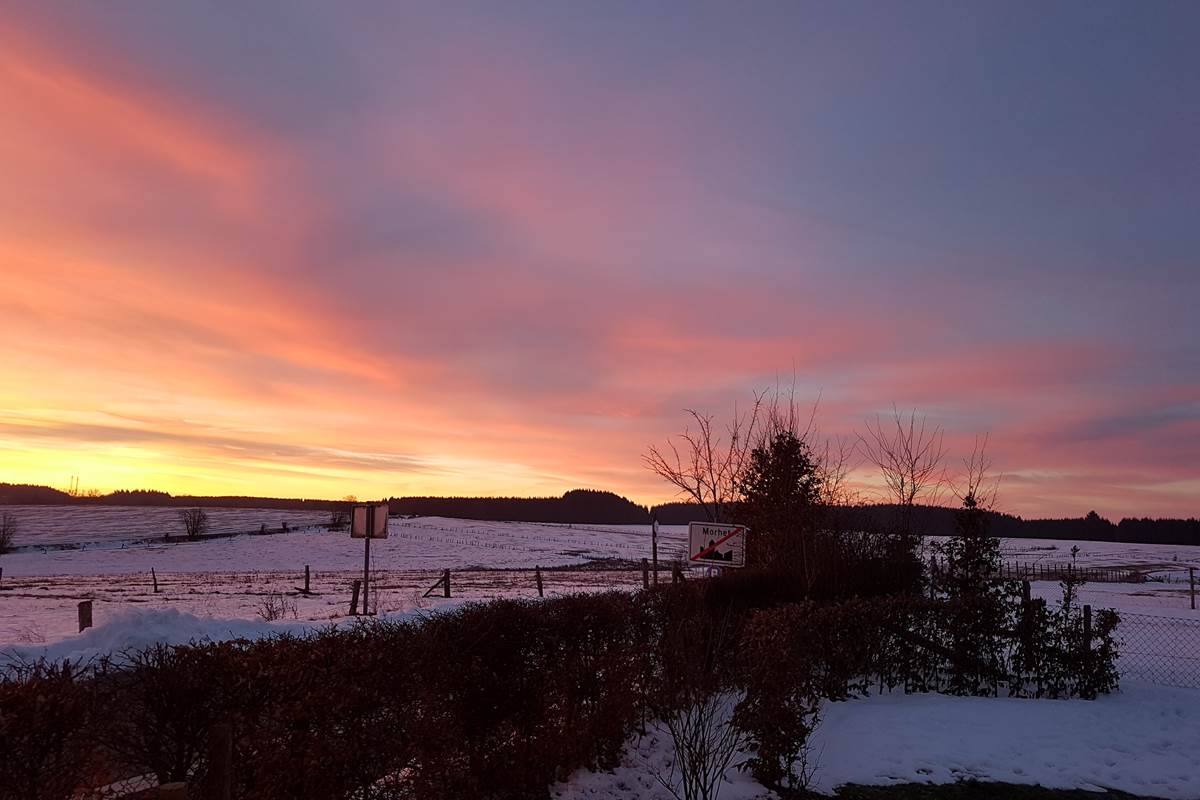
column 43, row 525
column 133, row 630
column 1144, row 740
column 425, row 543
column 1167, row 557
column 229, row 578
column 647, row 758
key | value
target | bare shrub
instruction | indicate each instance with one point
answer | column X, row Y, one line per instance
column 31, row 633
column 705, row 743
column 276, row 606
column 8, row 531
column 195, row 522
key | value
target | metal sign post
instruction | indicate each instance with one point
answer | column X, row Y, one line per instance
column 654, row 547
column 367, row 523
column 367, row 563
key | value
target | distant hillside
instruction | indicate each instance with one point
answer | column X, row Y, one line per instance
column 25, row 494
column 590, row 505
column 575, row 506
column 578, row 505
column 939, row 521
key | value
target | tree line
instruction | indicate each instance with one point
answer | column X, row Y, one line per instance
column 582, row 506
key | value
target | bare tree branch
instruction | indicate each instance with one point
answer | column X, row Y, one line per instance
column 705, row 466
column 977, row 483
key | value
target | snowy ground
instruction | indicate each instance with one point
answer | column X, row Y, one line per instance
column 44, row 526
column 111, row 564
column 230, row 578
column 1144, row 740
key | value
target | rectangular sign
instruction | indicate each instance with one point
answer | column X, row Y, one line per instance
column 713, row 544
column 369, row 522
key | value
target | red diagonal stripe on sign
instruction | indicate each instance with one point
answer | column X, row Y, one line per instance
column 713, row 547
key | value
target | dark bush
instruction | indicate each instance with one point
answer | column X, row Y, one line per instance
column 501, row 699
column 47, row 723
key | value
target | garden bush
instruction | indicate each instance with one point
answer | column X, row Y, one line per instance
column 501, row 699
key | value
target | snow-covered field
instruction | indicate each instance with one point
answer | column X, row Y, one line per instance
column 98, row 526
column 230, row 578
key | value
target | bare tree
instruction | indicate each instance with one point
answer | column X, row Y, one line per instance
column 705, row 466
column 8, row 531
column 977, row 482
column 195, row 522
column 908, row 454
column 835, row 462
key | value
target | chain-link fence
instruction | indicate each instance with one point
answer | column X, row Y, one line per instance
column 1164, row 650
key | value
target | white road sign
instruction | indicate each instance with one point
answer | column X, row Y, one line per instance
column 711, row 544
column 369, row 522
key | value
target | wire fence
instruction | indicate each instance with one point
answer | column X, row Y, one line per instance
column 1163, row 650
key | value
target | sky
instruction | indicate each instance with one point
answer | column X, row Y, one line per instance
column 312, row 249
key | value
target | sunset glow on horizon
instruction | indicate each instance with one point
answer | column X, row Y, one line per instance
column 309, row 250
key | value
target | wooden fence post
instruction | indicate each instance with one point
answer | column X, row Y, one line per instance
column 220, row 762
column 654, row 545
column 154, row 578
column 446, row 583
column 306, row 576
column 85, row 615
column 173, row 791
column 354, row 596
column 537, row 575
column 1192, row 582
column 1026, row 629
column 645, row 575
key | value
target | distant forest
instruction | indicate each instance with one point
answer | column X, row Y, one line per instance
column 599, row 507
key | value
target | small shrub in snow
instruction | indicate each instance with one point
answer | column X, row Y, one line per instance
column 275, row 606
column 8, row 531
column 705, row 742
